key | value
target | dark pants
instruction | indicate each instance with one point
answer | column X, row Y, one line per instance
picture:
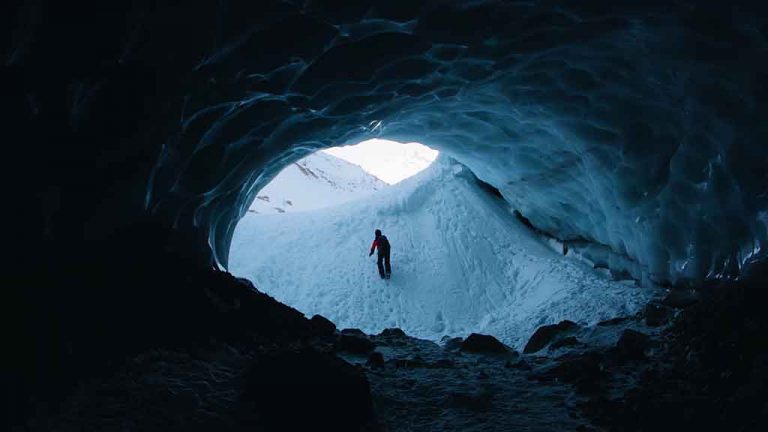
column 384, row 262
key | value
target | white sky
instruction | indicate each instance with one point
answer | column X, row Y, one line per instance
column 390, row 161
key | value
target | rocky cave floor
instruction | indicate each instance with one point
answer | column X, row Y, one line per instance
column 694, row 360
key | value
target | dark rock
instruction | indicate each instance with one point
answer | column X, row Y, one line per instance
column 354, row 343
column 475, row 402
column 584, row 370
column 612, row 321
column 353, row 332
column 648, row 376
column 601, row 407
column 656, row 314
column 546, row 334
column 323, row 325
column 375, row 360
column 565, row 342
column 278, row 386
column 709, row 371
column 443, row 364
column 680, row 299
column 392, row 332
column 413, row 363
column 452, row 344
column 632, row 345
column 520, row 365
column 478, row 343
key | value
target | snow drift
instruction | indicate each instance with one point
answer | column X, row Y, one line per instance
column 461, row 263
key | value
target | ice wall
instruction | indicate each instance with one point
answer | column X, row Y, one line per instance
column 634, row 126
column 633, row 129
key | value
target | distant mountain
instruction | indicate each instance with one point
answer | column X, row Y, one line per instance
column 317, row 181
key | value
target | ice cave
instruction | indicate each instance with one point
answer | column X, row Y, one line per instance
column 587, row 252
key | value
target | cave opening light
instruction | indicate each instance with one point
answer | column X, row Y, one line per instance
column 390, row 161
column 338, row 175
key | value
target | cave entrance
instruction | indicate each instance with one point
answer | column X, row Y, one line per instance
column 461, row 261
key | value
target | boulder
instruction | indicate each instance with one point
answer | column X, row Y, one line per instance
column 656, row 315
column 354, row 343
column 452, row 344
column 632, row 345
column 546, row 334
column 353, row 332
column 565, row 342
column 392, row 332
column 323, row 325
column 478, row 343
column 279, row 386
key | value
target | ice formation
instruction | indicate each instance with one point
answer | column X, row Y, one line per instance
column 461, row 263
column 635, row 129
column 617, row 126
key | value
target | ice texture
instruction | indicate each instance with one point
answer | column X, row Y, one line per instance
column 461, row 264
column 634, row 129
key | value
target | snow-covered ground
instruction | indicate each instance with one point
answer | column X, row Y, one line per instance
column 461, row 264
column 317, row 181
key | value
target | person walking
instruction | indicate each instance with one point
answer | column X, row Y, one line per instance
column 382, row 243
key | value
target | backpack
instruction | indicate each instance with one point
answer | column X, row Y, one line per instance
column 383, row 244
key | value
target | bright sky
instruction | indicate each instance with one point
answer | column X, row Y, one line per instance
column 390, row 161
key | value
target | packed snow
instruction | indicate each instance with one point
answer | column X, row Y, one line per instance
column 319, row 180
column 461, row 263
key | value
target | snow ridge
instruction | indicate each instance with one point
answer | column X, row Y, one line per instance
column 461, row 264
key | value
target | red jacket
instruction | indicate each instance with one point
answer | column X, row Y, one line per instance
column 374, row 245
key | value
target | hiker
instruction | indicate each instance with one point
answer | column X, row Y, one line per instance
column 383, row 262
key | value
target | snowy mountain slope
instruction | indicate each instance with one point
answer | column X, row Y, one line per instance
column 390, row 161
column 460, row 263
column 319, row 180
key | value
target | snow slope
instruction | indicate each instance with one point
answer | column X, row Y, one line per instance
column 319, row 180
column 460, row 262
